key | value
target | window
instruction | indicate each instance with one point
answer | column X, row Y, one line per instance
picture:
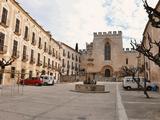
column 4, row 16
column 2, row 37
column 24, row 50
column 56, row 54
column 17, row 26
column 44, row 60
column 38, row 59
column 56, row 64
column 127, row 61
column 48, row 61
column 30, row 74
column 72, row 56
column 107, row 51
column 53, row 52
column 33, row 37
column 52, row 64
column 39, row 44
column 15, row 44
column 32, row 54
column 13, row 72
column 45, row 46
column 23, row 73
column 68, row 54
column 63, row 65
column 68, row 64
column 26, row 32
column 64, row 54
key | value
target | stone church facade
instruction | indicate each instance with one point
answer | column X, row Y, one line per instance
column 103, row 58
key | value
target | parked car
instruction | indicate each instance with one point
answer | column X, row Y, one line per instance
column 130, row 83
column 47, row 79
column 32, row 81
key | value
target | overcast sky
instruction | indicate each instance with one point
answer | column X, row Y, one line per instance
column 72, row 21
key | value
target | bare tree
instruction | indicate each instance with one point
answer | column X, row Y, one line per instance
column 132, row 71
column 3, row 64
column 146, row 50
column 153, row 15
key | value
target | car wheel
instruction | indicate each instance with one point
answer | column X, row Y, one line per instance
column 128, row 88
column 53, row 83
column 149, row 88
column 45, row 84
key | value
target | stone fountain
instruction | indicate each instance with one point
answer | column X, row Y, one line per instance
column 90, row 86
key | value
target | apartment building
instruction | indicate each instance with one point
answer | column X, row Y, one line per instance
column 70, row 60
column 23, row 39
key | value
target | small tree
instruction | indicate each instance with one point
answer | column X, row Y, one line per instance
column 132, row 71
column 3, row 64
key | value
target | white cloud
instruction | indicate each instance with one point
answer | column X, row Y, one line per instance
column 129, row 16
column 74, row 21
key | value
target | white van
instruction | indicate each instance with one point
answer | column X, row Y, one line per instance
column 129, row 83
column 47, row 79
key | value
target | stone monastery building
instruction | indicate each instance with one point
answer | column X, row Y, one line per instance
column 104, row 57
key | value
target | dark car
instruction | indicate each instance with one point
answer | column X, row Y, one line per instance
column 32, row 81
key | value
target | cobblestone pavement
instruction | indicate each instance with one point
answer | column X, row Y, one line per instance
column 58, row 103
column 138, row 107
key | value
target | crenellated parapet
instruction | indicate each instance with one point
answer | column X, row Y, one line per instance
column 83, row 51
column 109, row 33
column 129, row 50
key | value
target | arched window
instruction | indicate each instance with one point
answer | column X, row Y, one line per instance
column 107, row 51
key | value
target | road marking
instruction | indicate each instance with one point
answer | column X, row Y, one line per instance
column 121, row 111
column 142, row 103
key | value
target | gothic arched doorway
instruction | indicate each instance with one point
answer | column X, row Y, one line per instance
column 107, row 73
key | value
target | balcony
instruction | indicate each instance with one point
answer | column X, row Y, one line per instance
column 5, row 24
column 33, row 42
column 15, row 54
column 18, row 33
column 25, row 58
column 39, row 63
column 32, row 61
column 3, row 49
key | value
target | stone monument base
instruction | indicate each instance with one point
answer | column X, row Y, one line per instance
column 90, row 88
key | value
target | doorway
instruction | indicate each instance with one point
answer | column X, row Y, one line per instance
column 107, row 73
